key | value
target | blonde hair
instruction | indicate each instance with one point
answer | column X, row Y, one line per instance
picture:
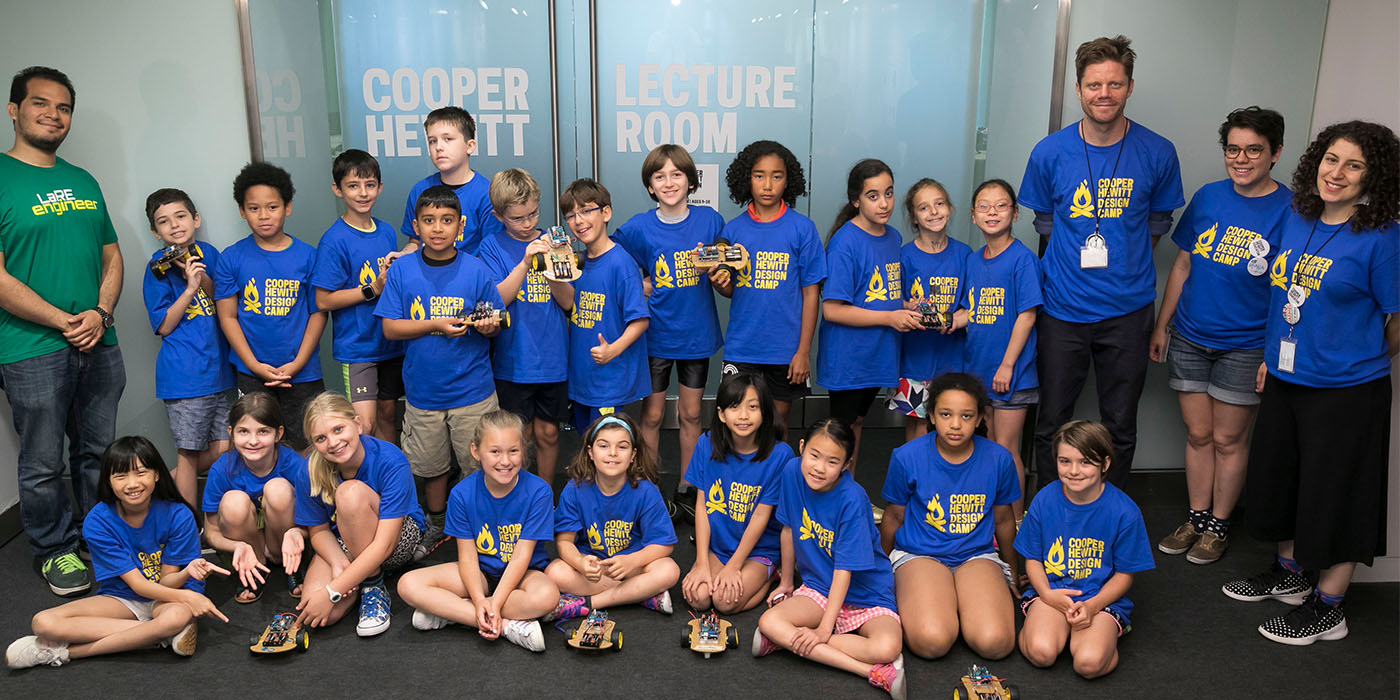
column 321, row 473
column 643, row 465
column 512, row 187
column 498, row 420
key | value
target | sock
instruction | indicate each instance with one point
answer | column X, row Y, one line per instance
column 1289, row 564
column 1198, row 519
column 374, row 580
column 1332, row 600
column 1219, row 526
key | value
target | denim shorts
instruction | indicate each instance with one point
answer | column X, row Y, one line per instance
column 1227, row 375
column 899, row 557
column 198, row 421
column 1023, row 398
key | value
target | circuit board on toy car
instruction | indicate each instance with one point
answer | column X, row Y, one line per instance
column 707, row 634
column 563, row 262
column 980, row 683
column 596, row 633
column 932, row 317
column 721, row 254
column 484, row 309
column 168, row 255
column 282, row 634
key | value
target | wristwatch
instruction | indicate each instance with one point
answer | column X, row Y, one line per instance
column 107, row 320
column 367, row 291
column 335, row 597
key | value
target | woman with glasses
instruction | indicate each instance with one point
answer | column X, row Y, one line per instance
column 1210, row 330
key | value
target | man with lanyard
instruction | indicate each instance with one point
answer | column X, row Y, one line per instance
column 60, row 276
column 1103, row 190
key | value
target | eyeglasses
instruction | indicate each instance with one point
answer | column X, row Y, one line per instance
column 518, row 220
column 999, row 207
column 1251, row 152
column 573, row 215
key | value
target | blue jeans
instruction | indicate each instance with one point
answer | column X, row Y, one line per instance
column 65, row 392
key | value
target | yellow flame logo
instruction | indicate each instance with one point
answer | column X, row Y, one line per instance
column 714, row 500
column 808, row 530
column 1083, row 204
column 875, row 290
column 1055, row 558
column 935, row 515
column 366, row 274
column 415, row 310
column 971, row 303
column 250, row 297
column 485, row 544
column 661, row 277
column 1205, row 241
column 745, row 278
column 595, row 540
column 1278, row 274
column 916, row 290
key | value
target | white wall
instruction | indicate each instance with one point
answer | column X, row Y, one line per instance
column 1360, row 79
column 159, row 104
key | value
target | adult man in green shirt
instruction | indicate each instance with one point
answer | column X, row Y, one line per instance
column 60, row 367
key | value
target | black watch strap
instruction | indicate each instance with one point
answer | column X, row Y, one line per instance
column 107, row 320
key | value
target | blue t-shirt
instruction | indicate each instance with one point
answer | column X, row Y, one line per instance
column 938, row 277
column 1353, row 281
column 765, row 313
column 496, row 524
column 835, row 530
column 864, row 271
column 193, row 358
column 168, row 535
column 1082, row 547
column 733, row 489
column 273, row 292
column 607, row 297
column 606, row 526
column 475, row 197
column 998, row 290
column 684, row 323
column 439, row 372
column 948, row 507
column 384, row 469
column 534, row 349
column 1147, row 178
column 231, row 473
column 347, row 258
column 1221, row 305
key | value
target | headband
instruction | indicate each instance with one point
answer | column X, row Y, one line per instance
column 610, row 419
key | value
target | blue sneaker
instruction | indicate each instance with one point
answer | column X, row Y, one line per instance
column 374, row 611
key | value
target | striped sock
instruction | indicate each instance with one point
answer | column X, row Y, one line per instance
column 1289, row 564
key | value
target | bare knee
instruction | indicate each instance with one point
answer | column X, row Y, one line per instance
column 1039, row 651
column 1092, row 663
column 173, row 618
column 278, row 495
column 930, row 640
column 47, row 624
column 667, row 569
column 1199, row 438
column 652, row 412
column 546, row 433
column 236, row 509
column 1228, row 444
column 354, row 495
column 990, row 644
column 688, row 414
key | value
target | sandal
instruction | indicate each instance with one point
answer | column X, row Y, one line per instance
column 254, row 590
column 294, row 584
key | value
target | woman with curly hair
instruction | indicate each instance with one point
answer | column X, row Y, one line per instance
column 1317, row 473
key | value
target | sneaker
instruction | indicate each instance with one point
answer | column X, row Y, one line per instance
column 427, row 621
column 762, row 646
column 28, row 652
column 183, row 642
column 434, row 536
column 525, row 634
column 1181, row 540
column 1310, row 621
column 569, row 607
column 660, row 603
column 374, row 611
column 1277, row 582
column 890, row 678
column 684, row 505
column 1208, row 549
column 66, row 574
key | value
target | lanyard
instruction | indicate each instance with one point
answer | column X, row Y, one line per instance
column 1093, row 184
column 1293, row 275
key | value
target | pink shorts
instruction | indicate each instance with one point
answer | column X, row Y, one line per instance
column 851, row 617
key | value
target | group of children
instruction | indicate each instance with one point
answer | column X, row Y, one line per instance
column 479, row 392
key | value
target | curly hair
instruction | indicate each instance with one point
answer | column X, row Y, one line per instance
column 1380, row 185
column 254, row 174
column 741, row 187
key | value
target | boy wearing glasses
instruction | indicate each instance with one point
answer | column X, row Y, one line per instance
column 451, row 136
column 530, row 357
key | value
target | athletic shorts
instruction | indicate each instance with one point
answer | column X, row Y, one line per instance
column 198, row 421
column 850, row 405
column 144, row 610
column 851, row 618
column 1226, row 375
column 910, row 398
column 692, row 373
column 431, row 438
column 775, row 376
column 581, row 416
column 548, row 402
column 899, row 558
column 292, row 399
column 371, row 381
column 1025, row 398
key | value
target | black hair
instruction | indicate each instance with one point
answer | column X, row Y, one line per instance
column 956, row 381
column 164, row 196
column 354, row 162
column 19, row 85
column 1265, row 122
column 438, row 196
column 738, row 175
column 730, row 394
column 838, row 430
column 855, row 184
column 996, row 182
column 254, row 174
column 458, row 117
column 119, row 458
column 1380, row 185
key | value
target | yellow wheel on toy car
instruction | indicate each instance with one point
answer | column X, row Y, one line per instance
column 958, row 693
column 722, row 241
column 617, row 642
column 732, row 640
column 537, row 263
column 579, row 258
column 505, row 319
column 685, row 636
column 303, row 640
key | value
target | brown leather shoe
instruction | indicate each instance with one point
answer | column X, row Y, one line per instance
column 1181, row 540
column 1209, row 548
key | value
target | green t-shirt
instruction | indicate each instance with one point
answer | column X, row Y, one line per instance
column 53, row 225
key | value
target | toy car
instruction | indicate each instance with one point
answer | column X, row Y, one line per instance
column 564, row 261
column 980, row 683
column 168, row 255
column 282, row 634
column 484, row 309
column 596, row 633
column 721, row 254
column 708, row 634
column 933, row 318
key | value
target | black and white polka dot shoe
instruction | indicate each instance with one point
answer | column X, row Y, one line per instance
column 1278, row 583
column 1307, row 623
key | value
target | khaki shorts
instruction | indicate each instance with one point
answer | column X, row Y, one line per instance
column 430, row 438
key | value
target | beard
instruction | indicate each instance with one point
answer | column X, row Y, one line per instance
column 48, row 145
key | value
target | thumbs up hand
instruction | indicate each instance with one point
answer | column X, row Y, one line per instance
column 602, row 352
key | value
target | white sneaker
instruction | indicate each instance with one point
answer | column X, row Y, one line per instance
column 525, row 634
column 183, row 643
column 428, row 621
column 28, row 652
column 374, row 611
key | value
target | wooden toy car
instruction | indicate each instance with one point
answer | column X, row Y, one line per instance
column 932, row 317
column 484, row 309
column 596, row 633
column 707, row 634
column 980, row 683
column 282, row 634
column 721, row 254
column 168, row 255
column 564, row 261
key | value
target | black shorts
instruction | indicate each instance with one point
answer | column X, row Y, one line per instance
column 692, row 373
column 548, row 402
column 293, row 401
column 775, row 376
column 851, row 404
column 1317, row 470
